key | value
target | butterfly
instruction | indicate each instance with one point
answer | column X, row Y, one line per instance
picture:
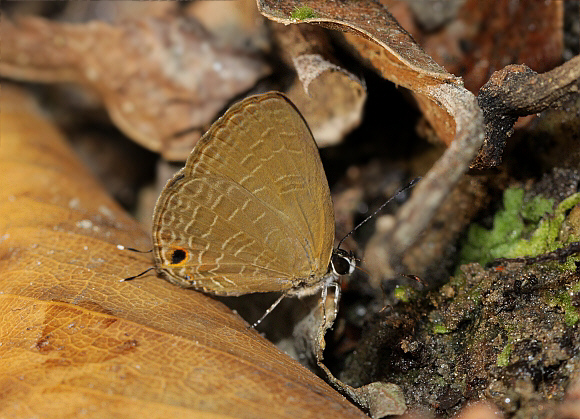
column 251, row 210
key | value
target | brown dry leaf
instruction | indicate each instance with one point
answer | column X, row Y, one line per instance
column 333, row 105
column 486, row 36
column 162, row 79
column 330, row 98
column 453, row 111
column 474, row 38
column 77, row 342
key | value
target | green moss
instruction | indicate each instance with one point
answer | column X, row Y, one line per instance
column 521, row 228
column 440, row 329
column 403, row 293
column 475, row 294
column 575, row 287
column 503, row 358
column 571, row 316
column 512, row 332
column 301, row 13
column 536, row 208
column 458, row 281
column 562, row 299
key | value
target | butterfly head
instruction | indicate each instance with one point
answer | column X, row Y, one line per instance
column 342, row 262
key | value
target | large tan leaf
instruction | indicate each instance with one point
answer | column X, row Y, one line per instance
column 77, row 342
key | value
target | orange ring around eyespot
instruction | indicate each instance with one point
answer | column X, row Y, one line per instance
column 182, row 258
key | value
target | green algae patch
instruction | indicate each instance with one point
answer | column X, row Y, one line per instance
column 440, row 329
column 563, row 299
column 503, row 358
column 522, row 228
column 302, row 13
column 404, row 293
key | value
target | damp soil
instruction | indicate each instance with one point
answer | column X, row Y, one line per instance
column 507, row 334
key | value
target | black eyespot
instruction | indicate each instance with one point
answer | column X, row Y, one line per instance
column 178, row 256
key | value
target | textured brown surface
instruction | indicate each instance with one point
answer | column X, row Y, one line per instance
column 251, row 208
column 76, row 342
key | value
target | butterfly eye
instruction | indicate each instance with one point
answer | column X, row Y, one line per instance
column 178, row 256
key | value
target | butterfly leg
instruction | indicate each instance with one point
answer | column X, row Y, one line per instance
column 323, row 301
column 272, row 307
column 337, row 289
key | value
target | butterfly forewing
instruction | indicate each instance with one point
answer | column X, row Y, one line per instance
column 251, row 210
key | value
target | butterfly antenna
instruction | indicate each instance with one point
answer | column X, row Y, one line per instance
column 121, row 247
column 138, row 275
column 362, row 270
column 409, row 185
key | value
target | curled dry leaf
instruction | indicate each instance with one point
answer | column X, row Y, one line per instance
column 162, row 79
column 449, row 222
column 516, row 91
column 76, row 341
column 379, row 40
column 330, row 98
